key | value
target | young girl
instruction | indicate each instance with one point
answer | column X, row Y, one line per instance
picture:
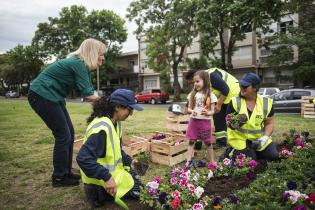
column 200, row 107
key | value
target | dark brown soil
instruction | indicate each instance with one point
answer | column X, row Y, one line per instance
column 141, row 167
column 224, row 186
column 132, row 204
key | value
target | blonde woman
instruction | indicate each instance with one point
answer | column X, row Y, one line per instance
column 46, row 97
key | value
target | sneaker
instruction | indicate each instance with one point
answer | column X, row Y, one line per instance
column 74, row 176
column 64, row 181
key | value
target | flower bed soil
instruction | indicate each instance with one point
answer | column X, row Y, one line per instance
column 132, row 204
column 225, row 186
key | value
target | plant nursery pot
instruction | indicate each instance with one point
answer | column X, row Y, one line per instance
column 141, row 167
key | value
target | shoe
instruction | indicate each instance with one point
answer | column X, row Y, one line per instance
column 74, row 176
column 64, row 181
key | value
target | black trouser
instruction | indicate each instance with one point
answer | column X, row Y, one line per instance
column 97, row 196
column 220, row 126
column 269, row 153
column 58, row 121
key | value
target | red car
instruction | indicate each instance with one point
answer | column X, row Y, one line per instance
column 152, row 96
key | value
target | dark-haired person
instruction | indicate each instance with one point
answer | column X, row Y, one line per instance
column 224, row 86
column 46, row 97
column 104, row 165
column 254, row 137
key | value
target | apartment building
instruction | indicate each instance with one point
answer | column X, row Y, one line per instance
column 248, row 57
column 127, row 74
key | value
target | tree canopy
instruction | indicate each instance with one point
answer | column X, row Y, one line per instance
column 168, row 27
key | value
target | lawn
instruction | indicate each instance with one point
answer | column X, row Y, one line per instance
column 26, row 152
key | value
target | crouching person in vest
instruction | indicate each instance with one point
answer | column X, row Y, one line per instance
column 105, row 168
column 254, row 137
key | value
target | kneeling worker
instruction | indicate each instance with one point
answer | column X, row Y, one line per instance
column 105, row 167
column 254, row 137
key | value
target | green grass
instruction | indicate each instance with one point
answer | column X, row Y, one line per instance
column 26, row 152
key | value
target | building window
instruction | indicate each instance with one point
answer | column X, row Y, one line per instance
column 131, row 64
column 264, row 54
column 284, row 26
column 150, row 83
column 247, row 28
column 243, row 53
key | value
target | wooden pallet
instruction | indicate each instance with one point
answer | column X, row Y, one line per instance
column 177, row 123
column 169, row 151
column 135, row 145
column 307, row 108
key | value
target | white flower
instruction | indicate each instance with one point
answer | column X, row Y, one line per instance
column 226, row 161
column 210, row 175
column 153, row 185
column 199, row 191
column 196, row 177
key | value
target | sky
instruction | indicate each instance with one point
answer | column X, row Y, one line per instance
column 19, row 18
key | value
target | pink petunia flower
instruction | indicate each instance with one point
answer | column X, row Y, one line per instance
column 191, row 187
column 226, row 161
column 252, row 163
column 173, row 180
column 241, row 156
column 175, row 194
column 241, row 163
column 158, row 180
column 198, row 206
column 212, row 166
column 183, row 182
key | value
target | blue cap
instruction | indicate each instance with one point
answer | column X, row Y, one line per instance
column 126, row 98
column 249, row 79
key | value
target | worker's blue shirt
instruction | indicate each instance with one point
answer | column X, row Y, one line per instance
column 218, row 83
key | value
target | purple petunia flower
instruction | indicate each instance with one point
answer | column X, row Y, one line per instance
column 250, row 175
column 300, row 207
column 152, row 191
column 216, row 201
column 291, row 185
column 233, row 198
column 162, row 197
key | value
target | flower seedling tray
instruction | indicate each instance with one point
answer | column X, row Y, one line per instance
column 307, row 108
column 135, row 145
column 177, row 123
column 170, row 150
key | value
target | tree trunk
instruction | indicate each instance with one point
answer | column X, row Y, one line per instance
column 222, row 44
column 230, row 52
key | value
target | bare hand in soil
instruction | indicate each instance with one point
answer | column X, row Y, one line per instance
column 110, row 187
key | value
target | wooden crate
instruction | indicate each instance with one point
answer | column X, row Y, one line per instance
column 169, row 151
column 177, row 123
column 307, row 108
column 135, row 145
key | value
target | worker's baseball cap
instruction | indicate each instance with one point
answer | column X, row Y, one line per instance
column 249, row 79
column 126, row 98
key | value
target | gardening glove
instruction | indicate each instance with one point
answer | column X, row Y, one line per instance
column 259, row 143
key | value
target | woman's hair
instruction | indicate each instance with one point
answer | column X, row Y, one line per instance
column 206, row 90
column 103, row 108
column 89, row 51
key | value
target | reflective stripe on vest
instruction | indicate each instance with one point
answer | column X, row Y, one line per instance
column 265, row 109
column 230, row 81
column 254, row 128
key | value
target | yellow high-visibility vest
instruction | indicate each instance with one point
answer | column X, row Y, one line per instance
column 254, row 128
column 112, row 160
column 230, row 80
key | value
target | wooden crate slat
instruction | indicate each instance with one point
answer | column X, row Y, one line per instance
column 168, row 159
column 309, row 116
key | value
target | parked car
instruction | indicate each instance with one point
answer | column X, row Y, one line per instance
column 268, row 91
column 290, row 100
column 11, row 94
column 152, row 96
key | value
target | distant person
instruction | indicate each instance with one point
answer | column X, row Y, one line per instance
column 224, row 86
column 254, row 137
column 46, row 97
column 105, row 167
column 201, row 108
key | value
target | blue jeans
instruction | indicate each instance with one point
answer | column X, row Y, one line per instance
column 57, row 119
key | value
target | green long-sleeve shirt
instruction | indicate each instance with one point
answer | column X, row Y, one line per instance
column 62, row 76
